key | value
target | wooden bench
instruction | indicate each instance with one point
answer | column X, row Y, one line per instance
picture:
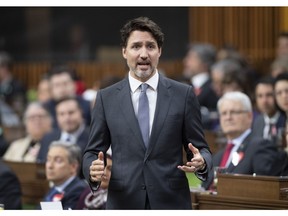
column 238, row 192
column 33, row 181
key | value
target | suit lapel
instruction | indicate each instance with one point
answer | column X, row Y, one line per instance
column 240, row 150
column 127, row 110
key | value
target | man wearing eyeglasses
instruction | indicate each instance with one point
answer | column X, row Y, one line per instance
column 244, row 152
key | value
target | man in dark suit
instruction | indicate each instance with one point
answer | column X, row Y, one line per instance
column 197, row 66
column 62, row 166
column 248, row 154
column 270, row 123
column 10, row 189
column 71, row 127
column 147, row 171
column 62, row 86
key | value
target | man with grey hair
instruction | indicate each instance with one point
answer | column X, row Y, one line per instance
column 62, row 168
column 38, row 122
column 219, row 70
column 244, row 152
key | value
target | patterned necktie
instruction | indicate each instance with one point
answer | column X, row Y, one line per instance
column 226, row 154
column 143, row 114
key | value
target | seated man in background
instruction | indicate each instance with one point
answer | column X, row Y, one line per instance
column 97, row 199
column 62, row 168
column 62, row 85
column 244, row 152
column 38, row 122
column 71, row 127
column 270, row 122
column 10, row 189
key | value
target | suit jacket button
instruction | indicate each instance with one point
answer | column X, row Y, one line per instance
column 143, row 187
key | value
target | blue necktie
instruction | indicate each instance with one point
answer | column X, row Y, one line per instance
column 51, row 194
column 143, row 114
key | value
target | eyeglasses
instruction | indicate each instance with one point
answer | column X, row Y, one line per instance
column 35, row 117
column 232, row 112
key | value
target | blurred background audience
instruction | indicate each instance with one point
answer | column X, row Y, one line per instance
column 62, row 170
column 38, row 122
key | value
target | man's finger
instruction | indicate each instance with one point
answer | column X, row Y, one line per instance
column 101, row 156
column 193, row 149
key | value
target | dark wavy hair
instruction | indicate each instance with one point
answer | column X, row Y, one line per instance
column 141, row 24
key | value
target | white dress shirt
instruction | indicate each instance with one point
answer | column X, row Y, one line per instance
column 151, row 94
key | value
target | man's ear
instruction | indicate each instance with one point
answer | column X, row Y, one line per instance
column 124, row 52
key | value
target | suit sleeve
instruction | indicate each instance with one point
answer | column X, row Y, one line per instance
column 265, row 158
column 194, row 133
column 98, row 139
column 10, row 190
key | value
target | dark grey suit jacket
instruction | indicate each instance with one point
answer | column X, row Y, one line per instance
column 137, row 172
column 10, row 188
column 56, row 135
column 260, row 156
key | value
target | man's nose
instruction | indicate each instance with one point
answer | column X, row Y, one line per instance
column 144, row 53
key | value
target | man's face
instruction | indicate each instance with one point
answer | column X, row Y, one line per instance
column 281, row 94
column 265, row 99
column 62, row 85
column 37, row 122
column 193, row 65
column 234, row 119
column 69, row 116
column 58, row 168
column 142, row 54
column 44, row 91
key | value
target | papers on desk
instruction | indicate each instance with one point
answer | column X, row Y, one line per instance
column 56, row 205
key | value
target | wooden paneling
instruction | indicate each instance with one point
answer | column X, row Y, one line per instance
column 235, row 191
column 253, row 30
column 32, row 179
column 30, row 73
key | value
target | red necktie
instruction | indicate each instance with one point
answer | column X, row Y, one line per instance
column 226, row 154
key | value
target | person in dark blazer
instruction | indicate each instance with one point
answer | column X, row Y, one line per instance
column 270, row 123
column 148, row 170
column 197, row 65
column 249, row 154
column 10, row 189
column 62, row 167
column 71, row 127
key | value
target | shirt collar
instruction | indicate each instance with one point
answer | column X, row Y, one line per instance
column 273, row 119
column 199, row 79
column 239, row 140
column 75, row 134
column 61, row 187
column 152, row 82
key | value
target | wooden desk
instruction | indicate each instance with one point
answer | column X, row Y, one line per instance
column 239, row 192
column 218, row 202
column 32, row 179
